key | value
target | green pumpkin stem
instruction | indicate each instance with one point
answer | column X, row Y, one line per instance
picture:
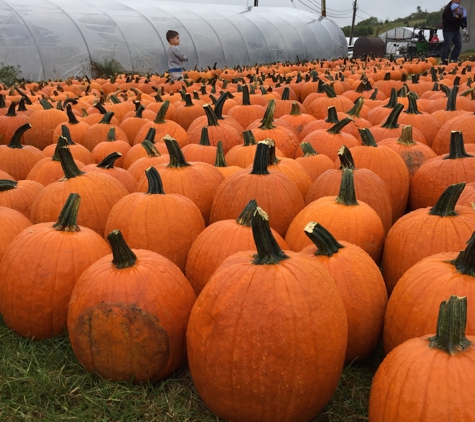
column 15, row 142
column 70, row 168
column 108, row 162
column 155, row 184
column 367, row 138
column 412, row 106
column 308, row 149
column 245, row 218
column 347, row 195
column 267, row 121
column 7, row 184
column 332, row 115
column 150, row 148
column 177, row 159
column 111, row 135
column 204, row 138
column 451, row 324
column 337, row 127
column 268, row 250
column 391, row 121
column 160, row 117
column 465, row 260
column 248, row 137
column 210, row 115
column 62, row 143
column 457, row 147
column 122, row 255
column 356, row 109
column 68, row 217
column 11, row 110
column 259, row 165
column 346, row 159
column 392, row 102
column 220, row 158
column 65, row 132
column 295, row 110
column 72, row 119
column 326, row 244
column 445, row 206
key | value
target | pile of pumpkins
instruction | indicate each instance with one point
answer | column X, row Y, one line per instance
column 264, row 225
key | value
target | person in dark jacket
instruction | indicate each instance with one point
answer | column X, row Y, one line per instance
column 451, row 30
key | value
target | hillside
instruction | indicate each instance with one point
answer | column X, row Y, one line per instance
column 373, row 26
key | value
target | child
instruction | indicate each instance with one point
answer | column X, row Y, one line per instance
column 175, row 56
column 460, row 13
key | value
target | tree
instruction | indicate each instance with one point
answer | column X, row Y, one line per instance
column 419, row 9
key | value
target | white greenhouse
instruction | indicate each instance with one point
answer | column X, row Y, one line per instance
column 51, row 39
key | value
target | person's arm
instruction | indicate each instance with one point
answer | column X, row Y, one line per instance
column 179, row 55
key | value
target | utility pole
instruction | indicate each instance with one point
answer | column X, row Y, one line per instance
column 255, row 3
column 324, row 8
column 352, row 23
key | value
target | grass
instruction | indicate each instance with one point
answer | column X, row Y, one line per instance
column 42, row 380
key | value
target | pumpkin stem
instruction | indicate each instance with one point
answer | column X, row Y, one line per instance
column 211, row 115
column 268, row 250
column 204, row 138
column 308, row 149
column 248, row 137
column 295, row 110
column 346, row 159
column 150, row 148
column 268, row 116
column 245, row 218
column 108, row 162
column 68, row 164
column 451, row 324
column 445, row 206
column 106, row 119
column 457, row 147
column 220, row 159
column 122, row 255
column 62, row 142
column 337, row 127
column 367, row 138
column 177, row 159
column 406, row 136
column 332, row 115
column 67, row 220
column 347, row 195
column 465, row 260
column 326, row 244
column 15, row 142
column 356, row 109
column 160, row 117
column 155, row 184
column 391, row 121
column 259, row 165
column 7, row 184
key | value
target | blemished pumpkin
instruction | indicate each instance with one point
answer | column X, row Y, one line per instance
column 254, row 359
column 429, row 378
column 128, row 314
column 39, row 269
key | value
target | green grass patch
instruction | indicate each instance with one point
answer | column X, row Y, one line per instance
column 42, row 380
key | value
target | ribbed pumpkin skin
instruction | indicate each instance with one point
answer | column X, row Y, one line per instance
column 12, row 223
column 414, row 303
column 22, row 197
column 215, row 243
column 358, row 224
column 130, row 324
column 439, row 391
column 419, row 234
column 43, row 122
column 99, row 193
column 175, row 224
column 251, row 358
column 38, row 273
column 275, row 193
column 47, row 171
column 363, row 291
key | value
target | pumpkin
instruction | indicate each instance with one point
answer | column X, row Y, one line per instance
column 202, row 151
column 10, row 122
column 152, row 157
column 164, row 223
column 218, row 241
column 275, row 193
column 128, row 314
column 39, row 270
column 251, row 358
column 313, row 162
column 412, row 306
column 407, row 384
column 359, row 282
column 12, row 223
column 247, row 112
column 109, row 145
column 445, row 227
column 344, row 216
column 98, row 132
column 19, row 195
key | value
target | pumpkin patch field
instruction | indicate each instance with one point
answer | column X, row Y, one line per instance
column 286, row 242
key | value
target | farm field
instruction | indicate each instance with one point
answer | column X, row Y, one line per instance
column 248, row 242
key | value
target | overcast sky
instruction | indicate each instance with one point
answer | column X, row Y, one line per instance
column 341, row 11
